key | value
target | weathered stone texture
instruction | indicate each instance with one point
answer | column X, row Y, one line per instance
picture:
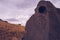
column 44, row 24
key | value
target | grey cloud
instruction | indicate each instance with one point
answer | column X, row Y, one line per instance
column 19, row 3
column 28, row 3
column 11, row 19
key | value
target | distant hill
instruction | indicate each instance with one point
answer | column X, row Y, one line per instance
column 11, row 31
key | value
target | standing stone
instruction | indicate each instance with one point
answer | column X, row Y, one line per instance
column 44, row 24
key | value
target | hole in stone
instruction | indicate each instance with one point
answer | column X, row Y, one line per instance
column 42, row 9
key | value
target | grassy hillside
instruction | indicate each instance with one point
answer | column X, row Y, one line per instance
column 11, row 31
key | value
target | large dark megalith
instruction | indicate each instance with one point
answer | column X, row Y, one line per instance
column 44, row 24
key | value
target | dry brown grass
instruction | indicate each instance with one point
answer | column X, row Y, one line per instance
column 8, row 27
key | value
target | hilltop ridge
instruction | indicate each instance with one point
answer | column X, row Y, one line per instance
column 14, row 31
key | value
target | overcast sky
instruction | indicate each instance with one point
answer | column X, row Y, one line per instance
column 19, row 11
